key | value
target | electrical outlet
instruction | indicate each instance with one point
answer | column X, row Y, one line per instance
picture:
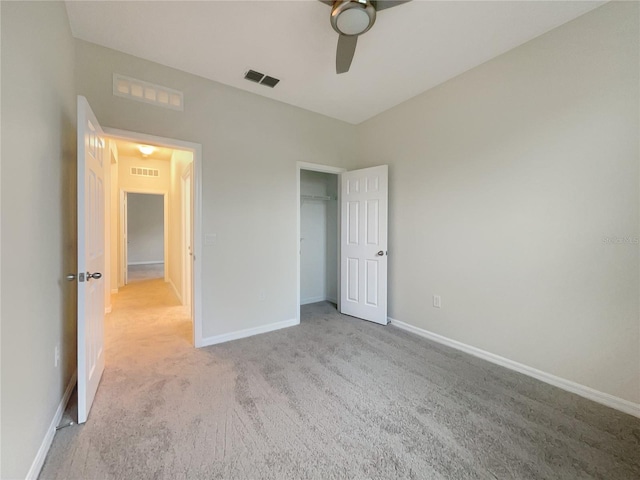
column 437, row 302
column 56, row 356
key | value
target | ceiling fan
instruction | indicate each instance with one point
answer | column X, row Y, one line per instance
column 351, row 18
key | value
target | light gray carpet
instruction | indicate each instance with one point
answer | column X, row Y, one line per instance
column 335, row 397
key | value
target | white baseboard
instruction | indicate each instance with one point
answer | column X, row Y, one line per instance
column 38, row 462
column 152, row 262
column 175, row 290
column 306, row 301
column 248, row 332
column 114, row 290
column 309, row 300
column 618, row 403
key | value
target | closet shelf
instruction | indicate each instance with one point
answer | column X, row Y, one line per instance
column 316, row 197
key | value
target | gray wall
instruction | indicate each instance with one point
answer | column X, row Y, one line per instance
column 38, row 224
column 145, row 232
column 250, row 146
column 505, row 183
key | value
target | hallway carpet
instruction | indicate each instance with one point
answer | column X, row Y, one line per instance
column 335, row 397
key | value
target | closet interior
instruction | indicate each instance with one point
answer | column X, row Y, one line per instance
column 318, row 237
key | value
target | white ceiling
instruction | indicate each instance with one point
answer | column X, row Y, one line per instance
column 411, row 48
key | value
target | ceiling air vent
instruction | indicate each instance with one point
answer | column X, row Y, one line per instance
column 145, row 172
column 146, row 92
column 261, row 78
column 254, row 76
column 269, row 81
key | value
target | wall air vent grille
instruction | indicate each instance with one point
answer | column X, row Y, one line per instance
column 144, row 172
column 146, row 92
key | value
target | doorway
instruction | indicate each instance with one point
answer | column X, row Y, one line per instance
column 156, row 217
column 318, row 234
column 318, row 237
column 145, row 236
column 143, row 233
column 362, row 209
column 149, row 180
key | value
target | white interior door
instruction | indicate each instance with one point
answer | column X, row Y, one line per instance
column 91, row 223
column 363, row 253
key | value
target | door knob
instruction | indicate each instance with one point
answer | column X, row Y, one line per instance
column 380, row 253
column 71, row 277
column 95, row 276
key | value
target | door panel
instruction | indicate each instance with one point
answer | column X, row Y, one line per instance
column 373, row 228
column 353, row 222
column 364, row 244
column 372, row 275
column 352, row 280
column 91, row 256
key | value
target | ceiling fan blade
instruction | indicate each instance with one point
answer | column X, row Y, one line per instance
column 384, row 4
column 345, row 51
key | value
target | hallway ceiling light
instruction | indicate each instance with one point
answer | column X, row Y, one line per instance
column 146, row 150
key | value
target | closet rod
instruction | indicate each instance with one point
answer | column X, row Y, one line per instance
column 315, row 197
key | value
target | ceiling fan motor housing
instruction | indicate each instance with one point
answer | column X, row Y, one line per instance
column 352, row 17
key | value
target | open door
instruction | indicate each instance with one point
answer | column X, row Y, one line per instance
column 91, row 222
column 363, row 253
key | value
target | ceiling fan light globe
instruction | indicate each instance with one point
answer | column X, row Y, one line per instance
column 353, row 17
column 353, row 21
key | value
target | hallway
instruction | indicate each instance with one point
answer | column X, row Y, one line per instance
column 147, row 320
column 147, row 332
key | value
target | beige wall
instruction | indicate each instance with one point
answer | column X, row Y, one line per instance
column 504, row 183
column 250, row 146
column 38, row 224
column 126, row 181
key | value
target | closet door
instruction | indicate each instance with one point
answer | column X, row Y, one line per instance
column 363, row 257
